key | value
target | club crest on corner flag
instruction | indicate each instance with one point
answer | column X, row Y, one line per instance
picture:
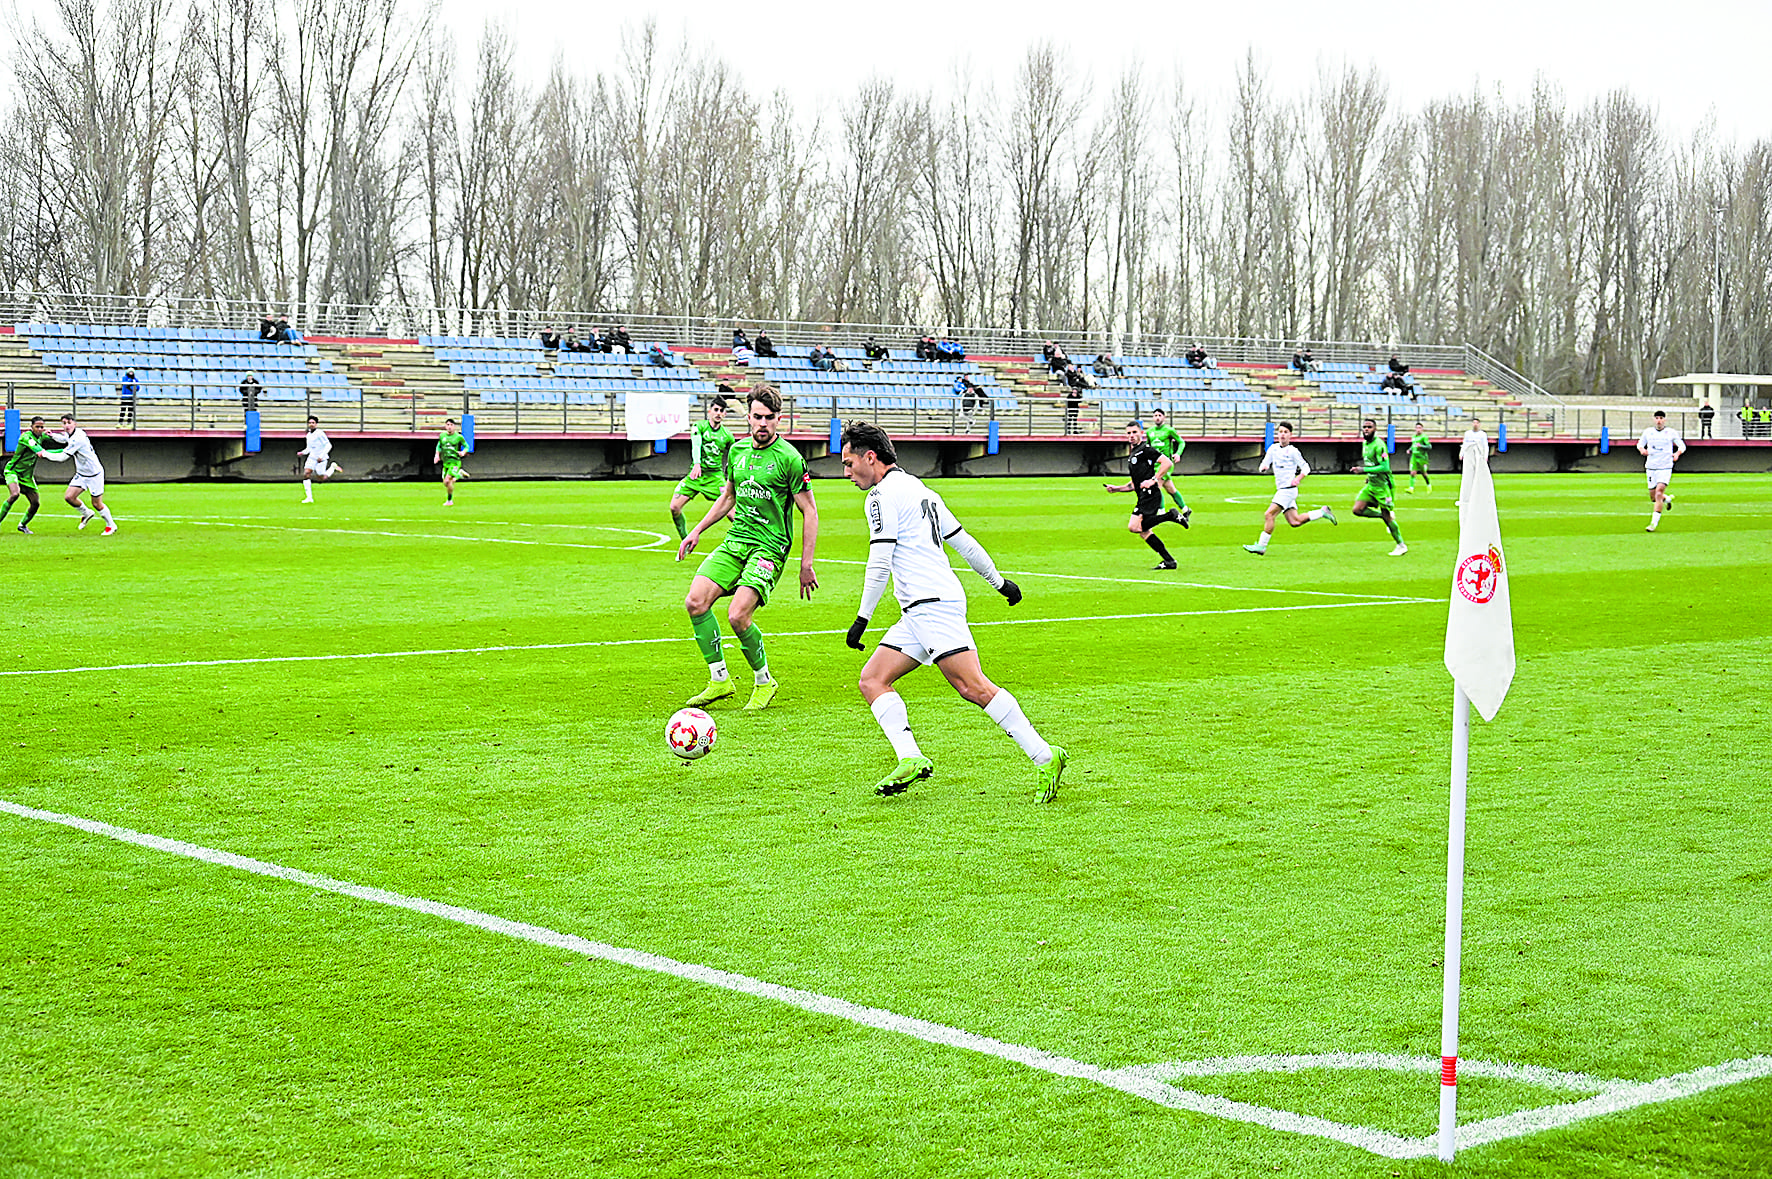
column 1480, row 624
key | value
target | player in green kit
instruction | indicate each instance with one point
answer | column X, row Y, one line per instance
column 1375, row 499
column 1419, row 448
column 21, row 472
column 450, row 446
column 1170, row 444
column 708, row 447
column 766, row 480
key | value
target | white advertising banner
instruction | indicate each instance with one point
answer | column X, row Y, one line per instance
column 652, row 416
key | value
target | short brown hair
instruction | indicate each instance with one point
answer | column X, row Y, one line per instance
column 766, row 394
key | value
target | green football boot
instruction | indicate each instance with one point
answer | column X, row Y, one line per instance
column 1050, row 773
column 716, row 690
column 909, row 769
column 761, row 695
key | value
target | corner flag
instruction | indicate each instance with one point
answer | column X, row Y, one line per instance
column 1480, row 656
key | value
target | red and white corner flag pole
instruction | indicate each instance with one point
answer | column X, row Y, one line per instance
column 1480, row 656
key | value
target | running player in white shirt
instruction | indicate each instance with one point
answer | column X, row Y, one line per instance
column 908, row 526
column 89, row 473
column 1661, row 448
column 319, row 455
column 1289, row 470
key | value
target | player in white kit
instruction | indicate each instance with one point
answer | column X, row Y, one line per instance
column 319, row 455
column 1661, row 447
column 89, row 473
column 1289, row 470
column 908, row 527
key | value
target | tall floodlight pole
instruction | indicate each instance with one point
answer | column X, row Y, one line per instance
column 1716, row 286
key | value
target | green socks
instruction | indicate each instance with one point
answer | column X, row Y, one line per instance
column 8, row 507
column 1396, row 533
column 682, row 528
column 750, row 640
column 1180, row 504
column 707, row 636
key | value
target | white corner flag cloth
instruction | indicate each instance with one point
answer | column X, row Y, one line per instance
column 1480, row 625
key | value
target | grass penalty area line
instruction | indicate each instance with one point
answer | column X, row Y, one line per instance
column 789, row 634
column 1142, row 1082
column 653, row 545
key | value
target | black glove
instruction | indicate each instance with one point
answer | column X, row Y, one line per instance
column 853, row 638
column 1011, row 591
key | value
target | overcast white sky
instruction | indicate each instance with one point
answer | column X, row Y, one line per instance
column 1688, row 59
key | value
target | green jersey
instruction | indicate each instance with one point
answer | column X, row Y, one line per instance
column 1167, row 441
column 1419, row 446
column 22, row 466
column 766, row 480
column 450, row 446
column 710, row 446
column 1376, row 461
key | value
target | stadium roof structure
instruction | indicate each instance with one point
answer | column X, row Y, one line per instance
column 1711, row 384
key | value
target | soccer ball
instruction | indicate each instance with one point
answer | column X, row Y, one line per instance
column 689, row 733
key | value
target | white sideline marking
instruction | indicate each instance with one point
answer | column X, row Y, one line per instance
column 1531, row 1074
column 649, row 546
column 787, row 634
column 1241, row 589
column 1136, row 1081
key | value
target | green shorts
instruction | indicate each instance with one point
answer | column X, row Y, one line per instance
column 708, row 486
column 1418, row 466
column 24, row 481
column 1378, row 492
column 737, row 563
column 451, row 468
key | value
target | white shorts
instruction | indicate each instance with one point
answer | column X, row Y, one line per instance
column 1286, row 497
column 91, row 484
column 318, row 466
column 1658, row 477
column 931, row 630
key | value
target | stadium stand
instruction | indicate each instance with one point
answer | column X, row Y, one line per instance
column 182, row 364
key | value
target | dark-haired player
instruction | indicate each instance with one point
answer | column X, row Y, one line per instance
column 319, row 464
column 21, row 472
column 1147, row 469
column 709, row 445
column 908, row 525
column 1378, row 496
column 766, row 479
column 451, row 443
column 89, row 473
column 1289, row 470
column 1171, row 444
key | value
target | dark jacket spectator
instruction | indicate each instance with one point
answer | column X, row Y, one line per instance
column 874, row 351
column 925, row 348
column 1105, row 366
column 740, row 340
column 1298, row 363
column 1073, row 400
column 1398, row 366
column 1310, row 362
column 570, row 343
column 1196, row 357
column 1394, row 381
column 267, row 329
column 622, row 340
column 660, row 354
column 766, row 346
column 1705, row 414
column 1055, row 357
column 604, row 342
column 1076, row 378
column 822, row 359
column 249, row 388
column 129, row 390
column 550, row 339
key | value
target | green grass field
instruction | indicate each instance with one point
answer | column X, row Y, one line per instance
column 1247, row 856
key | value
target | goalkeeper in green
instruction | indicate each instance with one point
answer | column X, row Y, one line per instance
column 21, row 472
column 451, row 445
column 1376, row 498
column 709, row 447
column 1171, row 445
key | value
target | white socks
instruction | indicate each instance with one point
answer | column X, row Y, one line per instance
column 1004, row 709
column 1314, row 514
column 889, row 710
column 762, row 676
column 106, row 513
column 307, row 488
column 1261, row 541
column 1655, row 520
column 717, row 672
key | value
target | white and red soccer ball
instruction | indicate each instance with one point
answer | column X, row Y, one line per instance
column 689, row 733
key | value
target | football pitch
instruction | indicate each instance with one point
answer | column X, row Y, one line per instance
column 342, row 839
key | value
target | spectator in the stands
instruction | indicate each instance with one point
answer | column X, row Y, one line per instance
column 822, row 359
column 1299, row 364
column 874, row 351
column 550, row 339
column 660, row 354
column 621, row 340
column 1705, row 414
column 1073, row 401
column 1196, row 357
column 569, row 342
column 740, row 340
column 1310, row 362
column 1105, row 366
column 765, row 346
column 1076, row 378
column 1394, row 382
column 249, row 389
column 129, row 390
column 1398, row 366
column 925, row 349
column 1055, row 357
column 267, row 329
column 946, row 349
column 970, row 398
